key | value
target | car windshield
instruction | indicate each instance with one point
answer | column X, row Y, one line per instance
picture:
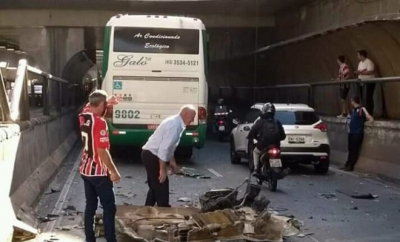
column 296, row 117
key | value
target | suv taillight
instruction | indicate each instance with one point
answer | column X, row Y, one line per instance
column 109, row 112
column 321, row 126
column 202, row 113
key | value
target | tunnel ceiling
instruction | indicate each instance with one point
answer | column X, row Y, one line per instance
column 241, row 7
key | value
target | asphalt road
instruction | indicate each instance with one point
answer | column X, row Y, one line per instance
column 331, row 217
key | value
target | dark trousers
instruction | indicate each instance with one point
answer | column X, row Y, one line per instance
column 158, row 192
column 354, row 146
column 99, row 187
column 367, row 96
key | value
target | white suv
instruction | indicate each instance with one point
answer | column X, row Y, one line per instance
column 306, row 136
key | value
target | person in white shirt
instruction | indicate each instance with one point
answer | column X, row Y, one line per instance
column 366, row 70
column 159, row 151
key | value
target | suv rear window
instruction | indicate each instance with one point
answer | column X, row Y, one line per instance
column 296, row 117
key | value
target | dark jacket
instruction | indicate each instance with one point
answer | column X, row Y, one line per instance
column 257, row 131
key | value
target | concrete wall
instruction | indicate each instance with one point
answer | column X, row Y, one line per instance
column 323, row 15
column 225, row 45
column 380, row 150
column 314, row 60
column 9, row 139
column 43, row 145
column 30, row 154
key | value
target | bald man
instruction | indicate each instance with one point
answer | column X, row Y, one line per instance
column 159, row 151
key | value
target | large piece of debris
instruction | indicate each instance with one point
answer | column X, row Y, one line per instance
column 222, row 217
column 188, row 224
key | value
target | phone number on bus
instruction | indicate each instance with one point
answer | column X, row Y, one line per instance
column 182, row 62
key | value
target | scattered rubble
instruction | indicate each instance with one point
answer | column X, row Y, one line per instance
column 356, row 195
column 184, row 199
column 191, row 172
column 53, row 190
column 328, row 195
column 222, row 217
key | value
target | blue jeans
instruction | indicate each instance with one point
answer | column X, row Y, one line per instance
column 99, row 187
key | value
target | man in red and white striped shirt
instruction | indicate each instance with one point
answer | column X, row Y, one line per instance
column 97, row 168
column 344, row 74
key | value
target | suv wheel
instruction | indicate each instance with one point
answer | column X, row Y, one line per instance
column 235, row 158
column 322, row 167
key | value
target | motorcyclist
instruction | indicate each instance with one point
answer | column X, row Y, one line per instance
column 221, row 108
column 267, row 131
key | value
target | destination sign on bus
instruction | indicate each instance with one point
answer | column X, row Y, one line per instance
column 156, row 40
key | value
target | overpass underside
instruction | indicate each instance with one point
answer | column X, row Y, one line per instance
column 293, row 45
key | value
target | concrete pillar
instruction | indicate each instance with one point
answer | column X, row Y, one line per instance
column 51, row 48
column 34, row 41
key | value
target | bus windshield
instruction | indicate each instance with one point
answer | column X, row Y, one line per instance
column 156, row 40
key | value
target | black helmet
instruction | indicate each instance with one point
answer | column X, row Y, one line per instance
column 268, row 109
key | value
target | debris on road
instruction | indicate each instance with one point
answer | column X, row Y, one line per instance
column 53, row 190
column 327, row 195
column 356, row 195
column 191, row 172
column 221, row 217
column 184, row 199
column 125, row 194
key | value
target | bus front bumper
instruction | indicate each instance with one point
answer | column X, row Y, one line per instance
column 138, row 137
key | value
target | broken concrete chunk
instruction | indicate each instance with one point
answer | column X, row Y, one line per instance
column 327, row 195
column 184, row 199
column 356, row 195
column 191, row 172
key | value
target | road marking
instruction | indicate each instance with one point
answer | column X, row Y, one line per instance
column 215, row 172
column 315, row 240
column 63, row 196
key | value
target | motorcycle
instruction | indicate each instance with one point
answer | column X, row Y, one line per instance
column 271, row 167
column 222, row 124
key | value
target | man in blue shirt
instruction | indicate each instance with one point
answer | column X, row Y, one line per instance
column 159, row 151
column 359, row 115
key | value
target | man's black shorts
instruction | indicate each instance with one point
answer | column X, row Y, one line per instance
column 344, row 91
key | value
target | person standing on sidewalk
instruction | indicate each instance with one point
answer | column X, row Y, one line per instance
column 344, row 74
column 366, row 70
column 159, row 151
column 359, row 115
column 97, row 168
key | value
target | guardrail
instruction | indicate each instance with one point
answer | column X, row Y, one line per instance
column 14, row 105
column 356, row 85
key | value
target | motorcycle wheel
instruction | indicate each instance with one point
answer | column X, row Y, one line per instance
column 272, row 182
column 221, row 138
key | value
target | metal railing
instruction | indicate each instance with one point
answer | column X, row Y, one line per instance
column 15, row 105
column 358, row 86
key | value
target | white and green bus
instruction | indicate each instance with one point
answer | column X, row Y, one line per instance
column 154, row 65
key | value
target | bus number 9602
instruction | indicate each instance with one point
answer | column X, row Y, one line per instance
column 127, row 114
